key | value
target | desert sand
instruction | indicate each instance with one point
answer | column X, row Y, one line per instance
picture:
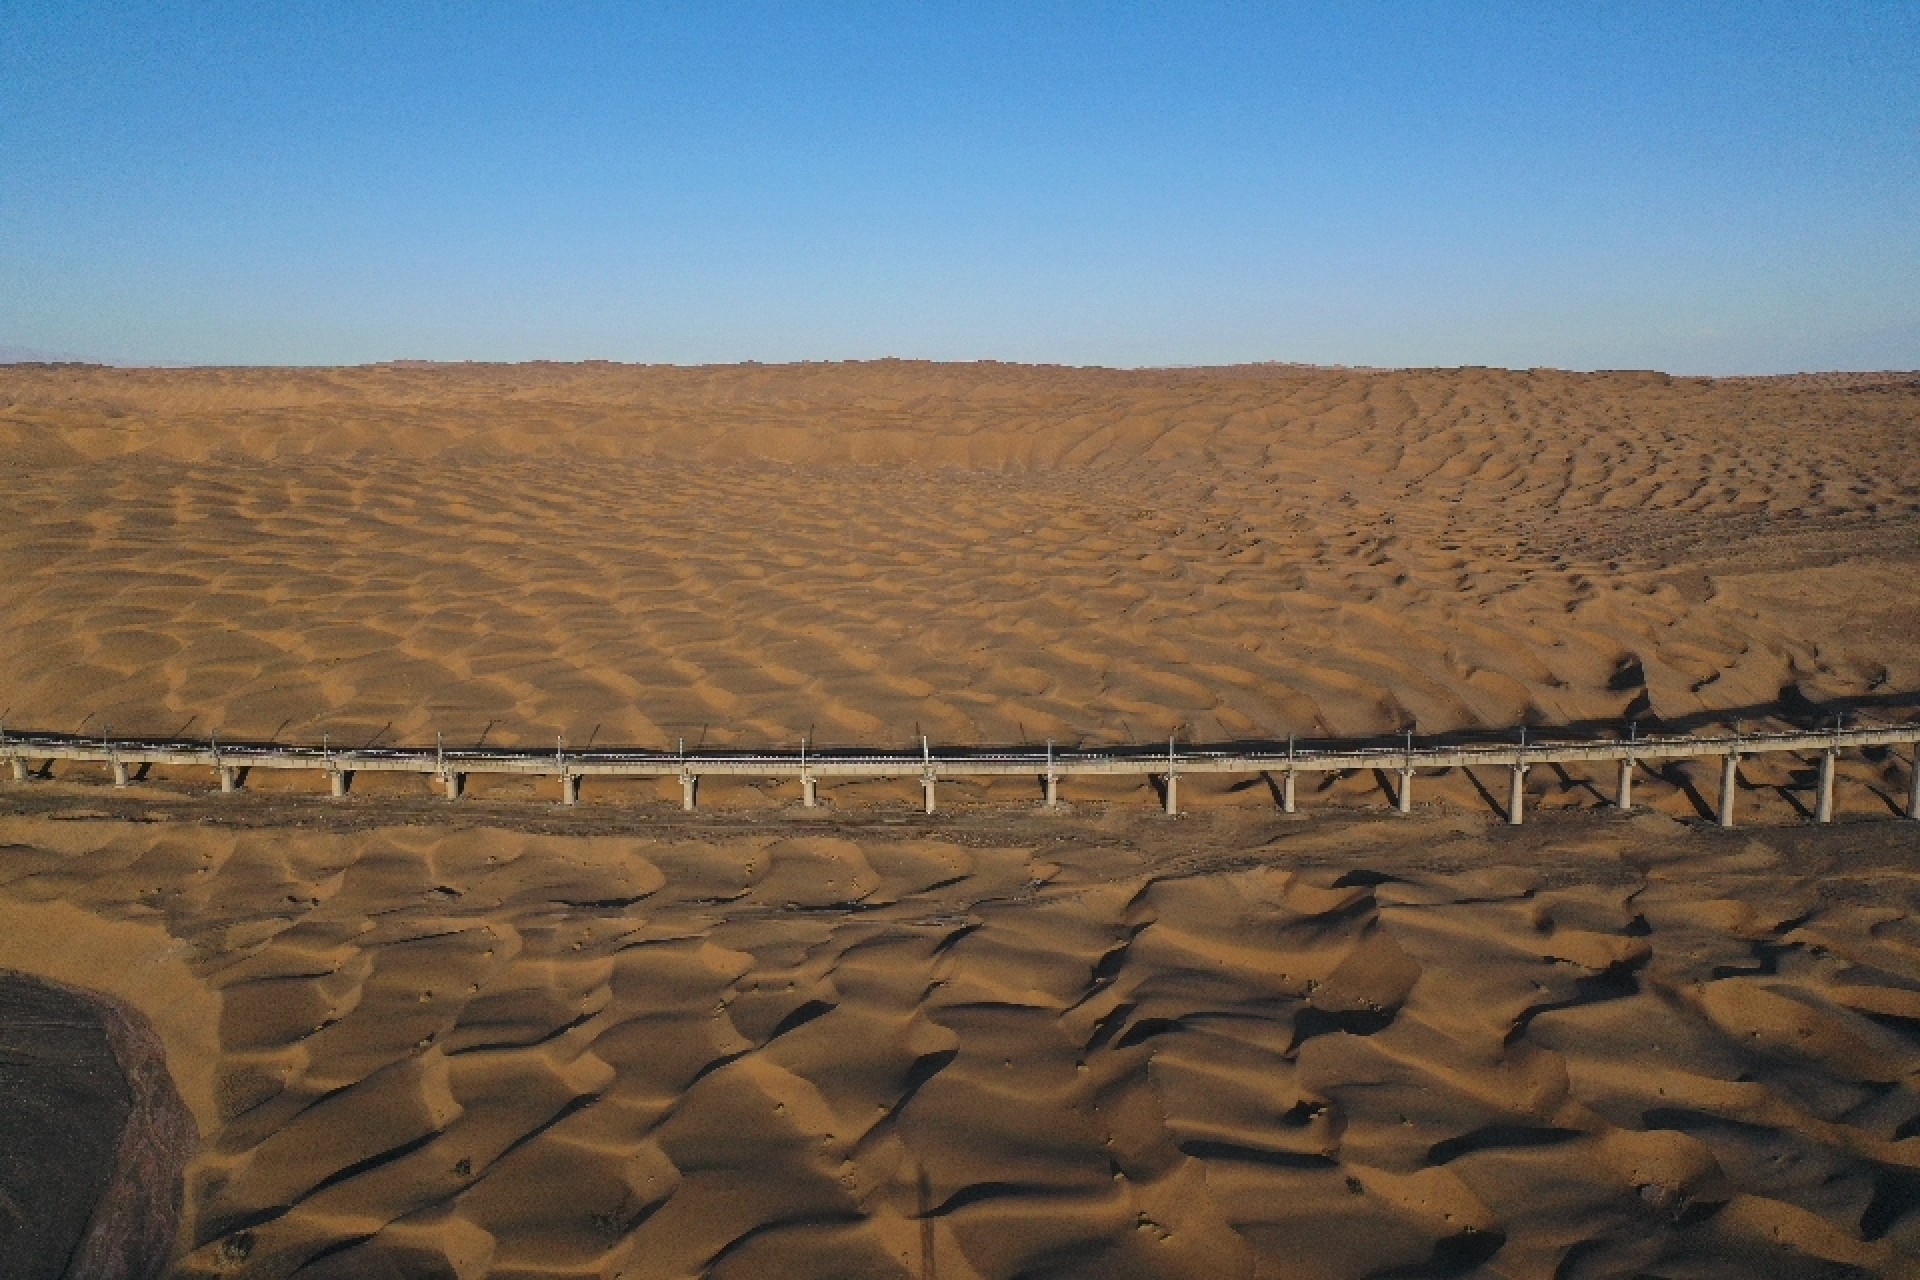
column 985, row 552
column 493, row 1039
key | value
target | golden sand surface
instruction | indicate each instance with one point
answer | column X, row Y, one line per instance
column 1078, row 1047
column 975, row 552
column 501, row 1039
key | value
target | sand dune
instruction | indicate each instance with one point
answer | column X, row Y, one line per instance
column 1346, row 1050
column 496, row 1040
column 974, row 552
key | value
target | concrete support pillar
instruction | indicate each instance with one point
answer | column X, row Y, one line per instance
column 1287, row 791
column 1053, row 791
column 809, row 791
column 229, row 778
column 1913, row 786
column 454, row 782
column 689, row 786
column 1823, row 804
column 569, row 789
column 1729, row 775
column 19, row 769
column 1517, row 796
column 926, row 791
column 1623, row 796
column 1404, row 801
column 337, row 782
column 120, row 778
column 1173, row 794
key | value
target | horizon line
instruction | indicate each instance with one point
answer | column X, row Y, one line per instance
column 32, row 359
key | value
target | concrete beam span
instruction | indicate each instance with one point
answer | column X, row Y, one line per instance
column 231, row 760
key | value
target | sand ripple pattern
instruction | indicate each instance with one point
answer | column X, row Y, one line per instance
column 975, row 552
column 1424, row 1051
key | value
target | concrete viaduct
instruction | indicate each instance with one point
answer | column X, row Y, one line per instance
column 29, row 754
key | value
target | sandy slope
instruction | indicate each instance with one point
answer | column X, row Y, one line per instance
column 1345, row 1048
column 974, row 552
column 496, row 1040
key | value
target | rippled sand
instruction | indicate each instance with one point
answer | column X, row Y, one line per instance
column 974, row 552
column 496, row 1039
column 1371, row 1048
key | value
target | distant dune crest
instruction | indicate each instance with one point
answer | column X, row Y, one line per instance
column 979, row 415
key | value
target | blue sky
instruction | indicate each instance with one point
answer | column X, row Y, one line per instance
column 1710, row 188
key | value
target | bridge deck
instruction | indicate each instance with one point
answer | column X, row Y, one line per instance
column 945, row 763
column 231, row 761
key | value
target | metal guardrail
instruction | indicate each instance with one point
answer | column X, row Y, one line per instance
column 230, row 760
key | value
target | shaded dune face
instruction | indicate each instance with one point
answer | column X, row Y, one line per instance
column 975, row 552
column 1411, row 1050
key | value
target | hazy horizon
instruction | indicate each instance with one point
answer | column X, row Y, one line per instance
column 12, row 355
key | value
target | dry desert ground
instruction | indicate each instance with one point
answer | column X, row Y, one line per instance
column 498, row 1038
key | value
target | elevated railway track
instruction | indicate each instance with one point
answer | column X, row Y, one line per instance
column 27, row 755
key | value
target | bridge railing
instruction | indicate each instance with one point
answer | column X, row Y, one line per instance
column 32, row 753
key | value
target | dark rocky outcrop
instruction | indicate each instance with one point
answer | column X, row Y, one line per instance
column 94, row 1139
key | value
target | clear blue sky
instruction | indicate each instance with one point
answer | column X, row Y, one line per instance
column 1696, row 187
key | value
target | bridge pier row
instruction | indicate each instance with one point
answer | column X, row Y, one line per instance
column 809, row 792
column 1823, row 805
column 1517, row 796
column 1623, row 795
column 455, row 783
column 926, row 792
column 1403, row 801
column 1913, row 785
column 569, row 789
column 1729, row 776
column 689, row 789
column 1287, row 791
column 1053, row 790
column 1173, row 795
column 19, row 769
column 120, row 778
column 337, row 781
column 229, row 779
